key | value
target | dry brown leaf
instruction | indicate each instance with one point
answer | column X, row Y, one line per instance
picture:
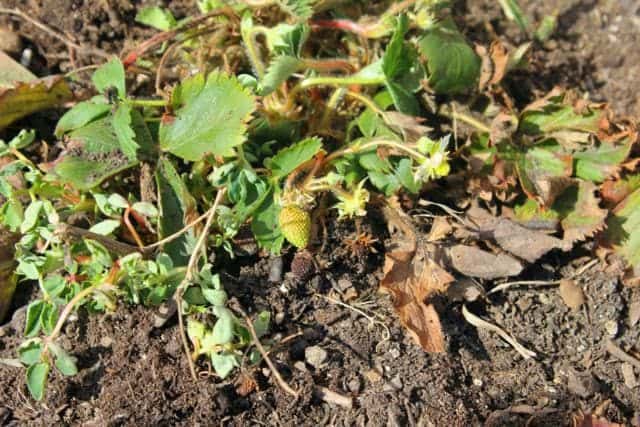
column 571, row 294
column 589, row 420
column 26, row 98
column 412, row 277
column 7, row 266
column 503, row 126
column 411, row 127
column 440, row 228
column 494, row 64
column 475, row 262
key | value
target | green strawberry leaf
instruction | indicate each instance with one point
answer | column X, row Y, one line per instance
column 289, row 158
column 597, row 164
column 210, row 117
column 279, row 70
column 110, row 74
column 177, row 207
column 265, row 225
column 80, row 115
column 125, row 134
column 452, row 64
column 156, row 17
column 37, row 376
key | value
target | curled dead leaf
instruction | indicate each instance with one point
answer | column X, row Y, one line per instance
column 28, row 97
column 475, row 262
column 412, row 277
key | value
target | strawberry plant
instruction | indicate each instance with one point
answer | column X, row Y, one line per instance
column 142, row 190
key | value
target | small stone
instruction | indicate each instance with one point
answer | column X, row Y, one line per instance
column 266, row 372
column 276, row 269
column 344, row 284
column 628, row 375
column 279, row 318
column 394, row 353
column 611, row 326
column 106, row 341
column 477, row 382
column 300, row 366
column 315, row 356
column 355, row 385
column 373, row 376
column 396, row 382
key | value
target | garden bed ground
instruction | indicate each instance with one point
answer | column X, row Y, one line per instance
column 134, row 374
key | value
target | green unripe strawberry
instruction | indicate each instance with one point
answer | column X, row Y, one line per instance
column 295, row 224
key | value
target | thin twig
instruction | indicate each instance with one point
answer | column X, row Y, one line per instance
column 503, row 286
column 256, row 341
column 619, row 353
column 188, row 277
column 53, row 33
column 483, row 324
column 180, row 232
column 332, row 397
column 65, row 231
column 386, row 336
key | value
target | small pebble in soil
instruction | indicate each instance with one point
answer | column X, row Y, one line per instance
column 477, row 382
column 300, row 366
column 279, row 318
column 315, row 356
column 355, row 384
column 373, row 376
column 628, row 375
column 344, row 284
column 396, row 382
column 611, row 327
column 275, row 270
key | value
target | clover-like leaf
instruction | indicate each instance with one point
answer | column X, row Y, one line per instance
column 210, row 117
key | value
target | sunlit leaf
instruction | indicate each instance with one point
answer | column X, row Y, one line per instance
column 37, row 376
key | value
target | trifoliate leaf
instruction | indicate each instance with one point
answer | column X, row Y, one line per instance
column 210, row 117
column 37, row 376
column 94, row 153
column 156, row 17
column 452, row 64
column 289, row 158
column 110, row 75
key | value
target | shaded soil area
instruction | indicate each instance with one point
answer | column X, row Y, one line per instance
column 134, row 374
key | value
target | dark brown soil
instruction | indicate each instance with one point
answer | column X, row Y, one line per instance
column 133, row 374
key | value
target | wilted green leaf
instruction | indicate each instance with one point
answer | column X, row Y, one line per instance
column 597, row 164
column 581, row 215
column 289, row 158
column 31, row 215
column 223, row 329
column 28, row 97
column 37, row 376
column 452, row 64
column 210, row 119
column 223, row 363
column 623, row 231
